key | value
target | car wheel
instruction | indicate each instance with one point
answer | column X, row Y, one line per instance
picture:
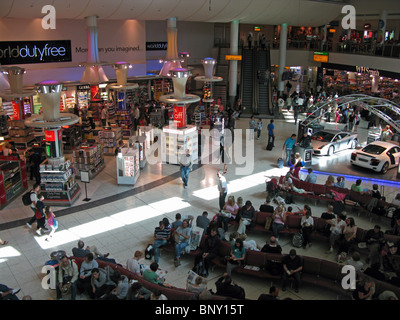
column 385, row 167
column 331, row 150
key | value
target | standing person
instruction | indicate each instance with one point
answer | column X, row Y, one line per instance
column 89, row 115
column 103, row 116
column 281, row 104
column 34, row 199
column 183, row 233
column 40, row 215
column 253, row 127
column 185, row 162
column 51, row 222
column 250, row 40
column 297, row 165
column 34, row 160
column 288, row 147
column 161, row 237
column 357, row 121
column 259, row 128
column 288, row 87
column 307, row 223
column 295, row 112
column 222, row 188
column 271, row 133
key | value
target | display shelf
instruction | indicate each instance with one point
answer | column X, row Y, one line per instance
column 83, row 99
column 109, row 139
column 95, row 107
column 71, row 137
column 177, row 141
column 88, row 158
column 86, row 129
column 58, row 184
column 128, row 166
column 8, row 108
column 22, row 136
column 13, row 179
column 161, row 87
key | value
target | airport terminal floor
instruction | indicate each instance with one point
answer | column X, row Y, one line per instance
column 121, row 219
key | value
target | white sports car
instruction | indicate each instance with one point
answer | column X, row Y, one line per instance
column 327, row 142
column 378, row 156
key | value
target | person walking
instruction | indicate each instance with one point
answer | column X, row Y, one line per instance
column 222, row 188
column 253, row 127
column 34, row 199
column 271, row 133
column 259, row 128
column 51, row 221
column 185, row 162
column 288, row 147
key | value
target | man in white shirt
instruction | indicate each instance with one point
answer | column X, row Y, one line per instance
column 185, row 163
column 104, row 116
column 337, row 226
column 307, row 223
column 222, row 188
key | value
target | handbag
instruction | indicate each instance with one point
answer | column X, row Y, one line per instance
column 268, row 222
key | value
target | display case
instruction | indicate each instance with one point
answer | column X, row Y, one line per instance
column 13, row 179
column 89, row 157
column 128, row 166
column 95, row 107
column 110, row 138
column 21, row 135
column 177, row 141
column 58, row 184
column 124, row 120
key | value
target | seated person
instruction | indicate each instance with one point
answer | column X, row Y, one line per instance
column 307, row 225
column 80, row 252
column 230, row 208
column 151, row 274
column 365, row 289
column 395, row 229
column 203, row 221
column 311, row 177
column 236, row 257
column 357, row 187
column 249, row 244
column 396, row 200
column 272, row 246
column 303, row 212
column 330, row 181
column 266, row 206
column 289, row 211
column 247, row 217
column 228, row 288
column 339, row 182
column 161, row 236
column 292, row 267
column 209, row 251
column 340, row 197
column 138, row 292
column 355, row 262
column 375, row 241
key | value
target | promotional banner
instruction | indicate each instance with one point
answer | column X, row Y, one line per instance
column 180, row 116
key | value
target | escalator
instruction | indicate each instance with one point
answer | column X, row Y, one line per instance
column 255, row 81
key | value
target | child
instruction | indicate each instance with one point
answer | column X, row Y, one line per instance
column 51, row 221
column 259, row 128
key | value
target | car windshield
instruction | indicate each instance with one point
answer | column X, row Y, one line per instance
column 374, row 149
column 323, row 136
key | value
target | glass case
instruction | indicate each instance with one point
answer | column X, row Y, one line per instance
column 128, row 165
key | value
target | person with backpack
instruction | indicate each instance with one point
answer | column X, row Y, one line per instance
column 40, row 215
column 30, row 198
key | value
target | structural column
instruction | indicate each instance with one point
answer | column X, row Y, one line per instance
column 282, row 56
column 234, row 39
column 382, row 28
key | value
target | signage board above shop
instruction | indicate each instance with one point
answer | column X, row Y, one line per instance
column 321, row 56
column 233, row 57
column 24, row 52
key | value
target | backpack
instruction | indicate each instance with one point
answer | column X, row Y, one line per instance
column 297, row 240
column 149, row 252
column 26, row 198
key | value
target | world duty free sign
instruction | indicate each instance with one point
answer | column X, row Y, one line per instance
column 25, row 52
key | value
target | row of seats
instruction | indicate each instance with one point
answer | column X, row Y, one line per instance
column 320, row 190
column 316, row 272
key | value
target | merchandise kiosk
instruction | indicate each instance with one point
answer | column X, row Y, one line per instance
column 58, row 184
column 178, row 136
column 89, row 157
column 128, row 165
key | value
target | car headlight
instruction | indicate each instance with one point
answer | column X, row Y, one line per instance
column 322, row 146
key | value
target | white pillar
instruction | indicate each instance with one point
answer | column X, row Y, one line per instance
column 282, row 55
column 234, row 39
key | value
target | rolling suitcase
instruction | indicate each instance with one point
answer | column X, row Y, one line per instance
column 280, row 163
column 269, row 146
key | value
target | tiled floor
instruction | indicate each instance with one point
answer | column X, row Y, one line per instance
column 120, row 227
